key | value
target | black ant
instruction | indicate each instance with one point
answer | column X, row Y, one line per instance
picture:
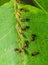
column 26, row 27
column 23, row 49
column 17, row 50
column 34, row 53
column 33, row 37
column 26, row 44
column 23, row 10
column 25, row 20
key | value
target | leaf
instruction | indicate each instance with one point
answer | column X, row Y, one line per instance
column 37, row 21
column 3, row 1
column 43, row 4
column 8, row 36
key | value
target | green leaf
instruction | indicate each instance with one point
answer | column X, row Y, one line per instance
column 3, row 1
column 8, row 36
column 43, row 4
column 38, row 25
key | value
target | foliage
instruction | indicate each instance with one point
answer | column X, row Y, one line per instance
column 11, row 38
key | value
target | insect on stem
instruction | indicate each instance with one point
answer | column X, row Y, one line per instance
column 25, row 28
column 26, row 44
column 17, row 50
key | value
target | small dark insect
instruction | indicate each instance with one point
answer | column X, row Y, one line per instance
column 33, row 37
column 25, row 20
column 34, row 53
column 23, row 10
column 21, row 51
column 17, row 50
column 26, row 27
column 26, row 44
column 24, row 50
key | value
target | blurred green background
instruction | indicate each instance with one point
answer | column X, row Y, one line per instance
column 3, row 1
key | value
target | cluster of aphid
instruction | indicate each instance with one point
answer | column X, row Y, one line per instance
column 33, row 36
column 24, row 48
column 26, row 45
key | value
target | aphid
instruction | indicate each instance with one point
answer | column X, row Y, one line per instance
column 33, row 37
column 23, row 10
column 34, row 53
column 25, row 28
column 26, row 44
column 17, row 50
column 24, row 50
column 25, row 20
column 20, row 51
